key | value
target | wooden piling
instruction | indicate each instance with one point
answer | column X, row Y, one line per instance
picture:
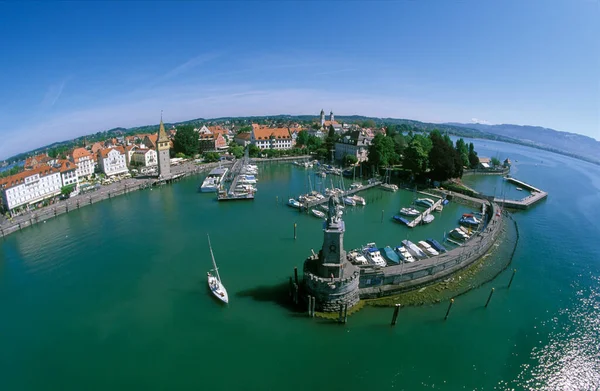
column 295, row 226
column 309, row 304
column 296, row 274
column 382, row 215
column 449, row 308
column 341, row 314
column 345, row 312
column 314, row 305
column 395, row 316
column 511, row 278
column 296, row 294
column 489, row 298
column 291, row 287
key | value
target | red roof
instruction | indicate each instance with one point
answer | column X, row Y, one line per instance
column 17, row 179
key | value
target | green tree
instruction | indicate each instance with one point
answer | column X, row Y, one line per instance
column 302, row 138
column 210, row 157
column 254, row 151
column 331, row 139
column 473, row 158
column 350, row 160
column 179, row 155
column 314, row 142
column 186, row 140
column 316, row 126
column 381, row 151
column 463, row 151
column 441, row 158
column 244, row 129
column 416, row 156
column 237, row 151
column 369, row 123
column 495, row 162
column 67, row 190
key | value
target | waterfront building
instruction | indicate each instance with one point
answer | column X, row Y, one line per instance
column 485, row 162
column 150, row 140
column 275, row 138
column 96, row 147
column 242, row 139
column 163, row 144
column 84, row 161
column 354, row 144
column 144, row 157
column 35, row 161
column 212, row 139
column 30, row 187
column 68, row 173
column 329, row 276
column 112, row 161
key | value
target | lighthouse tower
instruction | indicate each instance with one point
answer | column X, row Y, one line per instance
column 331, row 116
column 328, row 275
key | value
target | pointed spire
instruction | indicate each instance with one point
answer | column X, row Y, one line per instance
column 162, row 135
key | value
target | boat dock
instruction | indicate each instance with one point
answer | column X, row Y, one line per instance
column 312, row 204
column 524, row 203
column 225, row 195
column 419, row 218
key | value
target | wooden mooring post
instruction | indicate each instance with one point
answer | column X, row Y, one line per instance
column 296, row 275
column 382, row 215
column 295, row 226
column 341, row 314
column 313, row 305
column 449, row 308
column 511, row 278
column 291, row 287
column 395, row 316
column 296, row 294
column 309, row 301
column 346, row 313
column 489, row 298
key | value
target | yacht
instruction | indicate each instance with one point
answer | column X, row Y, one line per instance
column 355, row 185
column 428, row 219
column 427, row 202
column 391, row 255
column 359, row 200
column 436, row 245
column 414, row 250
column 389, row 187
column 294, row 203
column 248, row 179
column 213, row 180
column 349, row 201
column 409, row 212
column 318, row 213
column 458, row 234
column 427, row 248
column 372, row 254
column 404, row 255
column 469, row 220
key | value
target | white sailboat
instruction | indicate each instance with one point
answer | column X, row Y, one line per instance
column 214, row 283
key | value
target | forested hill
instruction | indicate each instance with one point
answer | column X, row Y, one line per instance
column 571, row 143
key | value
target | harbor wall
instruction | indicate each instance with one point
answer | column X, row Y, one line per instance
column 376, row 283
column 331, row 294
column 484, row 171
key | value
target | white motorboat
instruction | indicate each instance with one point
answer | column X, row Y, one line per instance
column 318, row 213
column 214, row 282
column 251, row 179
column 427, row 248
column 414, row 250
column 357, row 258
column 389, row 187
column 359, row 200
column 409, row 212
column 404, row 254
column 428, row 218
column 213, row 180
column 426, row 202
column 355, row 185
column 458, row 234
column 294, row 203
column 373, row 255
column 349, row 201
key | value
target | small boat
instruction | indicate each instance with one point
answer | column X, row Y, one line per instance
column 359, row 200
column 349, row 201
column 214, row 282
column 251, row 179
column 445, row 202
column 357, row 258
column 324, row 207
column 404, row 254
column 427, row 248
column 389, row 187
column 373, row 255
column 355, row 185
column 519, row 189
column 409, row 212
column 318, row 213
column 465, row 230
column 436, row 245
column 391, row 255
column 439, row 208
column 428, row 219
column 322, row 174
column 456, row 233
column 413, row 249
column 427, row 202
column 469, row 220
column 294, row 203
column 401, row 219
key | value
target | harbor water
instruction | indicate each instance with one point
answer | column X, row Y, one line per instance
column 114, row 295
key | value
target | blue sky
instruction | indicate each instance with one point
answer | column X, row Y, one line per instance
column 69, row 69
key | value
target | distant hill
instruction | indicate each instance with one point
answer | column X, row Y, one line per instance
column 571, row 144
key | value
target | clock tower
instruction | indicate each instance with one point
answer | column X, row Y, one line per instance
column 162, row 152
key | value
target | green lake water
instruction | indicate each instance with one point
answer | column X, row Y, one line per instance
column 113, row 296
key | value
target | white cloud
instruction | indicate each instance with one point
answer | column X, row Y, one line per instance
column 480, row 121
column 54, row 92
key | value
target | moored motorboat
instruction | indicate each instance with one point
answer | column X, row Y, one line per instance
column 213, row 180
column 357, row 258
column 427, row 202
column 404, row 255
column 391, row 255
column 409, row 212
column 373, row 255
column 469, row 220
column 456, row 233
column 389, row 187
column 428, row 218
column 349, row 201
column 413, row 249
column 436, row 245
column 426, row 247
column 294, row 203
column 359, row 200
column 318, row 213
column 401, row 219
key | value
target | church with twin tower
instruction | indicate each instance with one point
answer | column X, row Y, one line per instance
column 162, row 151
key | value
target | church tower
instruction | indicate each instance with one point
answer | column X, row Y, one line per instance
column 331, row 115
column 322, row 117
column 162, row 151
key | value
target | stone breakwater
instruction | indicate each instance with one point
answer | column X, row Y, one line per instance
column 331, row 293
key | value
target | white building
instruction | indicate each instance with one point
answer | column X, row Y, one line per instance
column 84, row 161
column 29, row 187
column 112, row 161
column 144, row 157
column 354, row 144
column 275, row 138
column 68, row 173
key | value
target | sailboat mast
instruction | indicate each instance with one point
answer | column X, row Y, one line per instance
column 213, row 259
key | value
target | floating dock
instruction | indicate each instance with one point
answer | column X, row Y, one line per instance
column 312, row 204
column 419, row 218
column 524, row 203
column 226, row 195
